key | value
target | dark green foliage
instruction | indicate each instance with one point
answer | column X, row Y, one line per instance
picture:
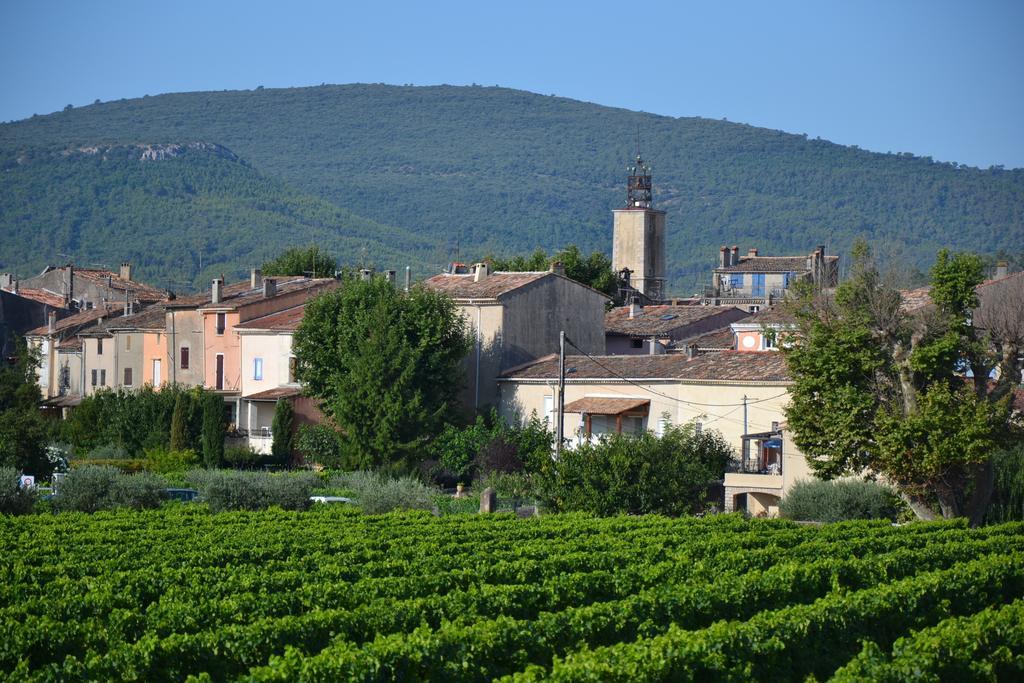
column 385, row 366
column 14, row 500
column 489, row 444
column 214, row 429
column 237, row 490
column 839, row 501
column 101, row 487
column 311, row 261
column 179, row 436
column 637, row 474
column 109, row 451
column 318, row 443
column 594, row 270
column 1008, row 497
column 125, row 423
column 242, row 457
column 521, row 170
column 281, row 428
column 23, row 431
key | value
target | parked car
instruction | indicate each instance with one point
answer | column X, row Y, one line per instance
column 330, row 499
column 184, row 495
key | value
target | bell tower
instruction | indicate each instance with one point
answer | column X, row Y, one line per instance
column 638, row 237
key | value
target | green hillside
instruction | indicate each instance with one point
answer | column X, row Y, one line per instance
column 495, row 170
column 182, row 213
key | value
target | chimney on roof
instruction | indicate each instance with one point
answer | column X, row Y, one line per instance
column 723, row 257
column 6, row 281
column 126, row 271
column 365, row 273
column 752, row 252
column 558, row 268
column 691, row 350
column 389, row 275
column 269, row 287
column 480, row 272
column 656, row 348
column 634, row 308
column 734, row 257
column 51, row 322
column 216, row 290
column 69, row 298
column 408, row 278
column 1002, row 270
column 255, row 278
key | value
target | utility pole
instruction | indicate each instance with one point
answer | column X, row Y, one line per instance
column 560, row 425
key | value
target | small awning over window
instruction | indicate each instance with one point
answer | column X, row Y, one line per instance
column 609, row 406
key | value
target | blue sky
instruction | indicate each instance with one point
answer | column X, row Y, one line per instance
column 936, row 78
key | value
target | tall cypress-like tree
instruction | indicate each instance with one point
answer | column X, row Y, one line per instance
column 385, row 366
column 214, row 430
column 281, row 428
column 178, row 441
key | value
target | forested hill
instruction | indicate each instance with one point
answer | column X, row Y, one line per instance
column 183, row 213
column 471, row 170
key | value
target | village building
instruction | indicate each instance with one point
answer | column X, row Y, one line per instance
column 755, row 281
column 740, row 394
column 639, row 234
column 763, row 330
column 636, row 329
column 268, row 376
column 23, row 310
column 516, row 317
column 84, row 288
column 61, row 353
column 227, row 309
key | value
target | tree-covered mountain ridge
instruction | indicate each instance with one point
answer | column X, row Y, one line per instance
column 474, row 170
column 182, row 212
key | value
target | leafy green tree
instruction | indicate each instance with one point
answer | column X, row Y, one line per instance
column 281, row 428
column 892, row 383
column 311, row 260
column 594, row 270
column 214, row 430
column 641, row 474
column 23, row 433
column 385, row 366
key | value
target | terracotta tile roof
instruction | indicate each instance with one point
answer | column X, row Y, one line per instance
column 40, row 295
column 721, row 339
column 203, row 298
column 771, row 264
column 70, row 344
column 606, row 406
column 283, row 321
column 79, row 321
column 140, row 290
column 739, row 366
column 914, row 299
column 274, row 394
column 232, row 299
column 494, row 286
column 152, row 318
column 658, row 319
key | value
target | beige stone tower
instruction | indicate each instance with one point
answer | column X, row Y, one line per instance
column 638, row 239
